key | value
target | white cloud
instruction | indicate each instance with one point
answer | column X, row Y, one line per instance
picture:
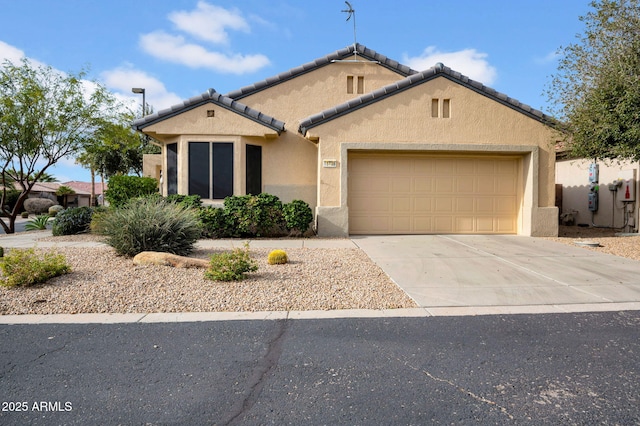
column 10, row 53
column 468, row 62
column 209, row 22
column 122, row 79
column 176, row 49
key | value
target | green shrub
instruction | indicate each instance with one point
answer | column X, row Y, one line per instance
column 216, row 223
column 277, row 257
column 231, row 266
column 149, row 225
column 72, row 221
column 38, row 223
column 25, row 267
column 192, row 201
column 24, row 215
column 256, row 215
column 54, row 210
column 122, row 189
column 297, row 215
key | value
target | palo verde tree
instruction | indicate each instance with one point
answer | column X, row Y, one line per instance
column 596, row 91
column 44, row 116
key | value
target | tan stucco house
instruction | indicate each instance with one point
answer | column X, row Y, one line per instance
column 372, row 145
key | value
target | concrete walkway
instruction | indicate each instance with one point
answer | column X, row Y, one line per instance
column 446, row 275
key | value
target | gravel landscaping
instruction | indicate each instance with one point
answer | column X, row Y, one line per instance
column 102, row 282
column 315, row 279
column 626, row 246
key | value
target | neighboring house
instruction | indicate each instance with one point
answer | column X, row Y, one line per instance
column 616, row 206
column 48, row 190
column 372, row 145
column 83, row 192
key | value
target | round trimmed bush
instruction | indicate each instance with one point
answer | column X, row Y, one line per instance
column 297, row 215
column 150, row 224
column 54, row 210
column 38, row 205
column 72, row 221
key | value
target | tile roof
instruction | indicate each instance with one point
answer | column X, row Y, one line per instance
column 439, row 70
column 210, row 96
column 338, row 55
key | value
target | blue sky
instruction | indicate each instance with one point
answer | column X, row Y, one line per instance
column 177, row 49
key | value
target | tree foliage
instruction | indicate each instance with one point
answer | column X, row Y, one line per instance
column 596, row 90
column 45, row 116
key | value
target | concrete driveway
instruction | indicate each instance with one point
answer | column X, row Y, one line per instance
column 490, row 271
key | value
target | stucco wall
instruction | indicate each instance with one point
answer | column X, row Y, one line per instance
column 476, row 124
column 311, row 93
column 573, row 175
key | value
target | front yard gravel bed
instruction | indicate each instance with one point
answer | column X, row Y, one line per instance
column 103, row 282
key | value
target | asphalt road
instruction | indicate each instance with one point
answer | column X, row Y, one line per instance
column 517, row 369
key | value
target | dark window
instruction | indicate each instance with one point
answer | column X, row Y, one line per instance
column 199, row 169
column 172, row 168
column 222, row 170
column 254, row 169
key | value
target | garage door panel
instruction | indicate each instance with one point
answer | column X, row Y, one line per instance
column 407, row 193
column 465, row 184
column 423, row 185
column 444, row 185
column 401, row 184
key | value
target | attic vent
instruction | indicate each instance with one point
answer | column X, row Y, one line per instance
column 355, row 84
column 440, row 109
column 211, row 113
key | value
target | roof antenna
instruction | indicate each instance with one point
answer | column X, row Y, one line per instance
column 352, row 13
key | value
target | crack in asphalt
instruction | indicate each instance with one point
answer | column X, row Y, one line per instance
column 457, row 387
column 469, row 393
column 260, row 373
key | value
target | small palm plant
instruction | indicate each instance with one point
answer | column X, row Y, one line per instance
column 38, row 223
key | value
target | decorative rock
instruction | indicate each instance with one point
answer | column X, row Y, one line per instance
column 168, row 259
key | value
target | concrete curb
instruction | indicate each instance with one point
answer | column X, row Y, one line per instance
column 178, row 317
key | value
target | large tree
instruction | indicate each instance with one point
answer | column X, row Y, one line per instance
column 45, row 116
column 115, row 149
column 596, row 90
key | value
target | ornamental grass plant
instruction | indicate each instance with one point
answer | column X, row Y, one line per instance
column 149, row 224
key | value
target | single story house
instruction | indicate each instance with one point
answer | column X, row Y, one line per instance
column 372, row 145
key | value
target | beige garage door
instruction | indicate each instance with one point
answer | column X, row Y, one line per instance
column 422, row 194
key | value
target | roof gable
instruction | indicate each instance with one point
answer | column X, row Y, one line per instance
column 439, row 70
column 210, row 96
column 339, row 55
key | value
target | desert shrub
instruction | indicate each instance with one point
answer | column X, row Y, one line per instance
column 297, row 215
column 256, row 215
column 24, row 215
column 72, row 221
column 54, row 210
column 277, row 257
column 231, row 266
column 149, row 225
column 24, row 267
column 38, row 205
column 216, row 223
column 38, row 223
column 192, row 201
column 122, row 189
